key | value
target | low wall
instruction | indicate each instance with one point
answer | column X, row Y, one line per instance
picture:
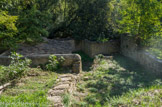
column 130, row 49
column 71, row 60
column 93, row 48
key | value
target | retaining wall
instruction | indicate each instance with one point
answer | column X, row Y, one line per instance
column 130, row 49
column 93, row 48
column 71, row 60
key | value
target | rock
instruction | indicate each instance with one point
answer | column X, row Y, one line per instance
column 56, row 92
column 66, row 79
column 77, row 67
column 66, row 84
column 55, row 99
column 62, row 86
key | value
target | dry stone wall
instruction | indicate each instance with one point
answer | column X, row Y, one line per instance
column 93, row 48
column 71, row 60
column 130, row 49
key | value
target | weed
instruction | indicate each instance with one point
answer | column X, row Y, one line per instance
column 112, row 78
column 54, row 63
column 30, row 91
column 66, row 99
column 16, row 69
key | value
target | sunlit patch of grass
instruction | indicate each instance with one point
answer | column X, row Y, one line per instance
column 143, row 97
column 156, row 52
column 30, row 91
column 112, row 78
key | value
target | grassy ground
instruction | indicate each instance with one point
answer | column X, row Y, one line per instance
column 156, row 52
column 30, row 91
column 119, row 82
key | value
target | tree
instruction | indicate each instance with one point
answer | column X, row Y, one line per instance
column 141, row 18
column 8, row 30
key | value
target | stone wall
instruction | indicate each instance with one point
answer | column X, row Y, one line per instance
column 71, row 60
column 92, row 48
column 130, row 49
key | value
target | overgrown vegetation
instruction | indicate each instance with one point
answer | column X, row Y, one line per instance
column 29, row 91
column 99, row 20
column 54, row 63
column 66, row 99
column 119, row 82
column 15, row 70
column 8, row 29
column 29, row 86
column 156, row 52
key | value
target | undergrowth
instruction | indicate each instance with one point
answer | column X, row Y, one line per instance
column 117, row 80
column 30, row 91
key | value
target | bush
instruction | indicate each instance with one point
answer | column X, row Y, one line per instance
column 8, row 29
column 16, row 69
column 54, row 63
column 32, row 25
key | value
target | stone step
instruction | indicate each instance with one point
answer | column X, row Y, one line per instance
column 66, row 79
column 56, row 92
column 55, row 99
column 62, row 86
column 65, row 75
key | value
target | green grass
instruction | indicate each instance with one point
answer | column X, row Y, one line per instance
column 156, row 52
column 114, row 78
column 143, row 97
column 30, row 91
column 2, row 76
column 66, row 99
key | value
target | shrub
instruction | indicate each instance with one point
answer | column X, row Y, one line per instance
column 8, row 29
column 54, row 63
column 16, row 69
column 32, row 25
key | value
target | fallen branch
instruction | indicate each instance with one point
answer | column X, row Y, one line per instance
column 3, row 87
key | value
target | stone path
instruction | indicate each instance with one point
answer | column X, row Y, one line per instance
column 66, row 84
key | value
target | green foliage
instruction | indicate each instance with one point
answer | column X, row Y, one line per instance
column 141, row 18
column 8, row 30
column 82, row 19
column 156, row 52
column 31, row 24
column 27, row 99
column 32, row 21
column 114, row 78
column 54, row 63
column 16, row 69
column 141, row 97
column 66, row 99
column 92, row 20
column 35, row 94
column 96, row 20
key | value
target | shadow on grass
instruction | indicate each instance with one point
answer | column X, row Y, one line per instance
column 132, row 77
column 125, row 76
